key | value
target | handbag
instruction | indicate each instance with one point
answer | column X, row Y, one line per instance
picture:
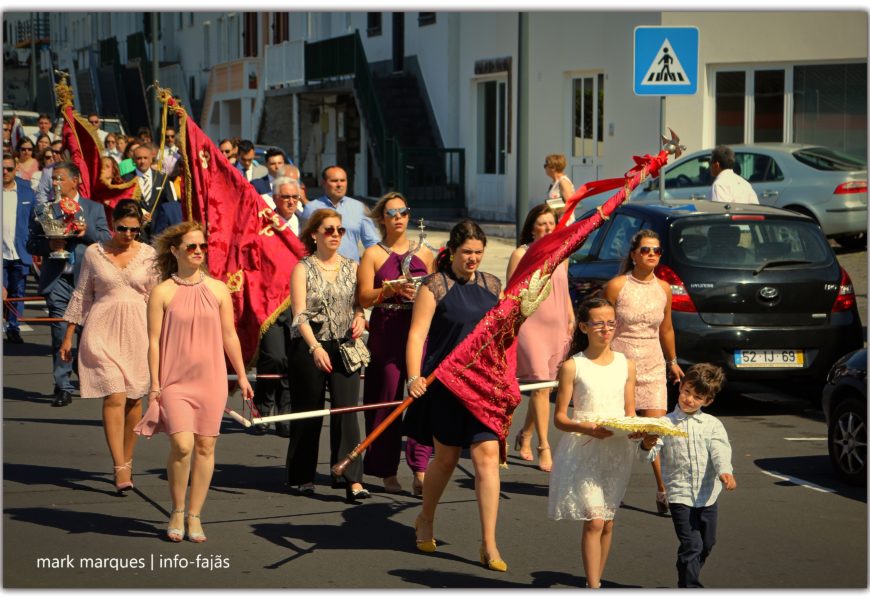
column 354, row 354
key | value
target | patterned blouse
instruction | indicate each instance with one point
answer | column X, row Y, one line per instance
column 329, row 305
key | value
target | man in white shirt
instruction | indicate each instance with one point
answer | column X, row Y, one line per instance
column 728, row 186
column 18, row 201
column 94, row 119
column 44, row 125
column 246, row 164
column 287, row 196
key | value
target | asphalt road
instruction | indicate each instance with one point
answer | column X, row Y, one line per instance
column 789, row 524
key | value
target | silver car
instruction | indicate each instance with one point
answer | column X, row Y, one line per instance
column 821, row 183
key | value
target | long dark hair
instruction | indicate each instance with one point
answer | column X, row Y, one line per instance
column 627, row 263
column 127, row 208
column 462, row 232
column 526, row 236
column 580, row 341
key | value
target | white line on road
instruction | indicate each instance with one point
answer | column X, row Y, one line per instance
column 805, row 439
column 798, row 481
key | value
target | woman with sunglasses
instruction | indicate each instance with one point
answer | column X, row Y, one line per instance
column 27, row 163
column 326, row 312
column 380, row 270
column 449, row 305
column 109, row 303
column 645, row 333
column 544, row 339
column 112, row 150
column 190, row 327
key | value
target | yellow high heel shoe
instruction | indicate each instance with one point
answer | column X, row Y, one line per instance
column 429, row 545
column 493, row 564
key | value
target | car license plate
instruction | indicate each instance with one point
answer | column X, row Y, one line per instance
column 768, row 359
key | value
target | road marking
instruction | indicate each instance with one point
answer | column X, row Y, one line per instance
column 806, row 439
column 798, row 481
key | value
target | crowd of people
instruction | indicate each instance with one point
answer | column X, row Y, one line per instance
column 142, row 270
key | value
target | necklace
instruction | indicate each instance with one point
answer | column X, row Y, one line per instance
column 323, row 266
column 187, row 282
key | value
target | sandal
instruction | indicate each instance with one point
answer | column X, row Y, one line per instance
column 542, row 465
column 417, row 486
column 174, row 534
column 392, row 485
column 429, row 545
column 196, row 537
column 122, row 487
column 519, row 442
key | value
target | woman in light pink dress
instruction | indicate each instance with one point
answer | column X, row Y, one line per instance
column 190, row 326
column 109, row 302
column 544, row 339
column 645, row 333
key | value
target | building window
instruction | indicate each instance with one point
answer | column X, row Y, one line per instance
column 830, row 107
column 374, row 23
column 425, row 18
column 280, row 27
column 491, row 127
column 769, row 106
column 588, row 116
column 190, row 19
column 730, row 107
column 180, row 21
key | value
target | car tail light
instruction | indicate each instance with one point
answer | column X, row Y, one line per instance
column 747, row 217
column 846, row 294
column 680, row 300
column 852, row 187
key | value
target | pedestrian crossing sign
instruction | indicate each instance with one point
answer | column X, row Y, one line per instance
column 665, row 61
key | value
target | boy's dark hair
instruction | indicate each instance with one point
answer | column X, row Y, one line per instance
column 705, row 379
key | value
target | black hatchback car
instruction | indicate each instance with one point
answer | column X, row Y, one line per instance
column 756, row 290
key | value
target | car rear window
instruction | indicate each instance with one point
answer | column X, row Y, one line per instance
column 825, row 159
column 748, row 244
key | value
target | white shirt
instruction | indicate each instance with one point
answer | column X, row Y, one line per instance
column 731, row 187
column 144, row 176
column 10, row 216
column 68, row 268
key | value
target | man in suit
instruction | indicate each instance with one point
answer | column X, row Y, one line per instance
column 58, row 277
column 154, row 186
column 246, row 164
column 275, row 161
column 18, row 201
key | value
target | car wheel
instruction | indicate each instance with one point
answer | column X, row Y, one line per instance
column 803, row 211
column 852, row 242
column 847, row 441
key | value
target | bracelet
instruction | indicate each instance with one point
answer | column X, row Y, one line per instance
column 157, row 391
column 673, row 361
column 412, row 379
column 314, row 347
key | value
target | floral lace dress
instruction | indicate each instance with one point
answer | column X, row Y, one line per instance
column 590, row 475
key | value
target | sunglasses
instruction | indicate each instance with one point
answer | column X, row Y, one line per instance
column 170, row 137
column 398, row 212
column 123, row 229
column 94, row 122
column 191, row 248
column 30, row 149
column 332, row 229
column 290, row 196
column 601, row 325
column 8, row 169
column 657, row 250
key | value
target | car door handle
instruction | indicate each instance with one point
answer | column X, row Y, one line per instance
column 699, row 196
column 769, row 194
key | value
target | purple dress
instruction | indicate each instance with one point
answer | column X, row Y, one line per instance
column 386, row 374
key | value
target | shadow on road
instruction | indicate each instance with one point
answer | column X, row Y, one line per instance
column 815, row 470
column 74, row 479
column 85, row 522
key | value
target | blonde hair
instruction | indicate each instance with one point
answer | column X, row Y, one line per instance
column 557, row 162
column 377, row 211
column 165, row 262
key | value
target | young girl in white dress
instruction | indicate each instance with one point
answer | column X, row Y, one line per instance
column 591, row 471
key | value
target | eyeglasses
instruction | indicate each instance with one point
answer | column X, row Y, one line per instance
column 657, row 250
column 191, row 248
column 332, row 229
column 226, row 151
column 398, row 212
column 601, row 325
column 290, row 196
column 26, row 149
column 170, row 137
column 8, row 169
column 94, row 123
column 123, row 229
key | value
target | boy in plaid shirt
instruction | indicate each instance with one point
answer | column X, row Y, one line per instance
column 695, row 469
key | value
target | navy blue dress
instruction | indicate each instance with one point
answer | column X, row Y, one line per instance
column 460, row 307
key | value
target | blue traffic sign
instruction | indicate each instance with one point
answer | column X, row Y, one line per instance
column 666, row 61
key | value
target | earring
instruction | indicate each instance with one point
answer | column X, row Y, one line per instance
column 451, row 257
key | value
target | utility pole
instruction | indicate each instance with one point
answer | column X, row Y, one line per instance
column 521, row 143
column 33, row 70
column 155, row 72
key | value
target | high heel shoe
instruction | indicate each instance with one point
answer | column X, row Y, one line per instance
column 429, row 545
column 518, row 446
column 662, row 502
column 197, row 537
column 125, row 485
column 493, row 564
column 174, row 534
column 417, row 487
column 546, row 467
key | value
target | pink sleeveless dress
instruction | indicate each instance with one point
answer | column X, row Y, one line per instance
column 193, row 372
column 640, row 310
column 544, row 340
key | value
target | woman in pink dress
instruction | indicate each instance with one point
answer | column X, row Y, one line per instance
column 190, row 326
column 109, row 303
column 544, row 339
column 645, row 333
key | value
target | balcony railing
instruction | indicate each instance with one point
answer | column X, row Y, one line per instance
column 236, row 75
column 285, row 64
